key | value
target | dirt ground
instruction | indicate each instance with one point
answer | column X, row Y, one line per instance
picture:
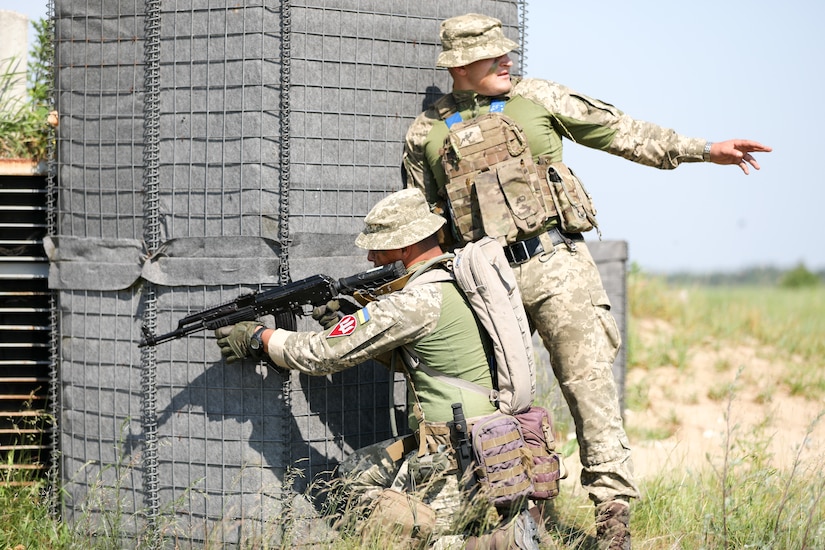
column 692, row 404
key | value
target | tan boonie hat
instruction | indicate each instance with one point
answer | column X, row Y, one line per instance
column 471, row 37
column 399, row 220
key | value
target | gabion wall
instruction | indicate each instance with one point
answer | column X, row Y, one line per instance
column 206, row 148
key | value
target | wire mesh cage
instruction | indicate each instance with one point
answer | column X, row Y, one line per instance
column 207, row 148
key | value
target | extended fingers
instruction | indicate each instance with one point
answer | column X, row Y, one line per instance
column 750, row 159
column 746, row 159
column 752, row 146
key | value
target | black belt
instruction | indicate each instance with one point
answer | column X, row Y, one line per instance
column 521, row 251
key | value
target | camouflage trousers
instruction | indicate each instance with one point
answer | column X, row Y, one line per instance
column 370, row 469
column 566, row 300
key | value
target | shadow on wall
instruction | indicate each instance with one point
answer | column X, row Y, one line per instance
column 327, row 422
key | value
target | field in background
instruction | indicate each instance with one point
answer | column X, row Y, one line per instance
column 725, row 393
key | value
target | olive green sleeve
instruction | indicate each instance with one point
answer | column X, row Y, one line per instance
column 602, row 126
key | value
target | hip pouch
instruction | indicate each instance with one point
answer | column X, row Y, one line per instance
column 545, row 470
column 572, row 201
column 503, row 459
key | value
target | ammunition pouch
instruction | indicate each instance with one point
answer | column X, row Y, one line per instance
column 495, row 188
column 571, row 201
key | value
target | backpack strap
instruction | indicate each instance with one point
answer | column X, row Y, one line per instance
column 413, row 361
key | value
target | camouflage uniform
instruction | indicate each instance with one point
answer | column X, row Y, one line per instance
column 435, row 320
column 561, row 288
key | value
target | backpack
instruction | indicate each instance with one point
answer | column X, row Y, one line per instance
column 485, row 277
column 514, row 448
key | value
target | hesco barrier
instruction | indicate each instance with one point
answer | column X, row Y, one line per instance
column 207, row 148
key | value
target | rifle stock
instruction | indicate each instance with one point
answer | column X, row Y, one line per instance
column 283, row 302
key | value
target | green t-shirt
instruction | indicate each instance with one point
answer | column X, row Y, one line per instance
column 459, row 345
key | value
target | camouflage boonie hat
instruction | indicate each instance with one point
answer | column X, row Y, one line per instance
column 470, row 37
column 399, row 220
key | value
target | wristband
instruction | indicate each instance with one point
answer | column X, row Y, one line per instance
column 706, row 151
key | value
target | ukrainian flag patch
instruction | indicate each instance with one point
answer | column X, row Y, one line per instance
column 349, row 323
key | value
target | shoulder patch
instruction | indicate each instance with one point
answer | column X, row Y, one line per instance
column 349, row 323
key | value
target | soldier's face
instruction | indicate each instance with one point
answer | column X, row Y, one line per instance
column 384, row 257
column 490, row 77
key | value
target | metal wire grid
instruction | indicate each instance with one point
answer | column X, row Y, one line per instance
column 54, row 327
column 99, row 63
column 222, row 442
column 100, row 407
column 220, row 122
column 224, row 436
column 361, row 71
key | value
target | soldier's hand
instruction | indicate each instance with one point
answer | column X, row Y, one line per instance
column 234, row 340
column 738, row 152
column 328, row 314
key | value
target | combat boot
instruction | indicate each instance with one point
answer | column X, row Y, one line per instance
column 613, row 525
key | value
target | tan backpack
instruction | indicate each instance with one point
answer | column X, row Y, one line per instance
column 483, row 274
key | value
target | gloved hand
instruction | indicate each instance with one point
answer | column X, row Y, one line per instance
column 234, row 340
column 328, row 314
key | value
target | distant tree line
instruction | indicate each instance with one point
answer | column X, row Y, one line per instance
column 797, row 277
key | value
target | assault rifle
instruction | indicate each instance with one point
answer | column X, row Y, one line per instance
column 283, row 302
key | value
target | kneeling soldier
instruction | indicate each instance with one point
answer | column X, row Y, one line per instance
column 431, row 321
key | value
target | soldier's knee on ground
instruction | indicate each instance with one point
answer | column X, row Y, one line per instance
column 368, row 467
column 520, row 532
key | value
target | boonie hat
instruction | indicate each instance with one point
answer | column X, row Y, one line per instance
column 470, row 37
column 398, row 220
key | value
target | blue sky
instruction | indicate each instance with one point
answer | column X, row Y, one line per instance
column 711, row 69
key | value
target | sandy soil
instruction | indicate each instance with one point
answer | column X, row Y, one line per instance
column 693, row 405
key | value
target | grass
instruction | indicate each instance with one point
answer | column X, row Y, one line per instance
column 788, row 322
column 25, row 129
column 737, row 498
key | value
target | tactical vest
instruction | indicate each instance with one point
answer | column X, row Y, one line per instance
column 495, row 188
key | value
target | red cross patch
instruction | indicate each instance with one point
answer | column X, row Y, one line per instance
column 345, row 326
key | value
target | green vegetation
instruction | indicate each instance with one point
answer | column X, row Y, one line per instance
column 754, row 276
column 786, row 321
column 799, row 277
column 25, row 131
column 738, row 499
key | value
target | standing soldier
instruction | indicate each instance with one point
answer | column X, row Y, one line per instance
column 488, row 156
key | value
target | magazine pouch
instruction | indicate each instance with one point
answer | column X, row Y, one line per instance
column 573, row 204
column 545, row 470
column 493, row 186
column 464, row 209
column 503, row 459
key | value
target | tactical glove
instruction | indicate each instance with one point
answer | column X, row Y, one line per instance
column 328, row 314
column 234, row 340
